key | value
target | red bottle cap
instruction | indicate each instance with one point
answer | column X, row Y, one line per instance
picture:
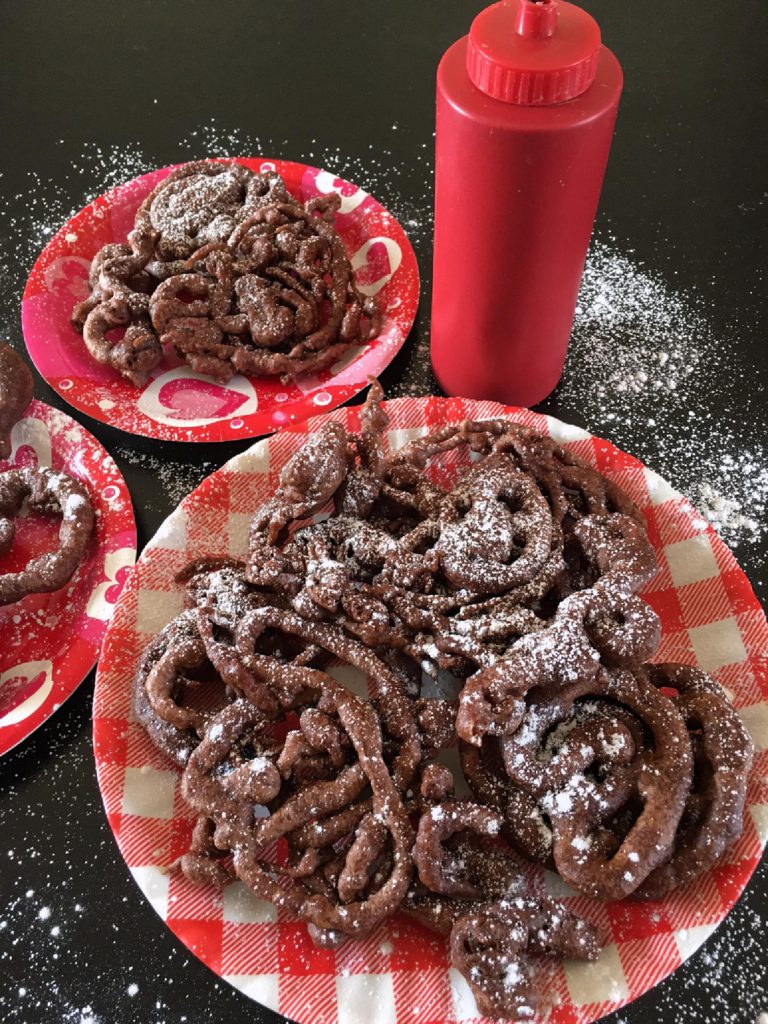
column 533, row 52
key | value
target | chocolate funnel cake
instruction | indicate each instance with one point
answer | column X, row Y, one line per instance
column 521, row 580
column 45, row 491
column 42, row 490
column 224, row 265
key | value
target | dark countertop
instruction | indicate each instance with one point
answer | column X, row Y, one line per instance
column 95, row 92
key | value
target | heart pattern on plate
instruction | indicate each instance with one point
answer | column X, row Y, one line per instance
column 185, row 398
column 23, row 689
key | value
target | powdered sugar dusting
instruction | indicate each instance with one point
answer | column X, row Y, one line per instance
column 176, row 479
column 643, row 366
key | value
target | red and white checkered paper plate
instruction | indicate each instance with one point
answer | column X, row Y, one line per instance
column 400, row 974
column 178, row 404
column 51, row 641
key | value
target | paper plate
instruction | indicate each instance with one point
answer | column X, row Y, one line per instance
column 400, row 974
column 51, row 641
column 178, row 404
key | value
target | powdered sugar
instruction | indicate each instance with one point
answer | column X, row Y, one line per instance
column 512, row 975
column 643, row 366
column 176, row 479
column 726, row 513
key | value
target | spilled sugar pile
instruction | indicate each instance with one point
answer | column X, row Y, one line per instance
column 176, row 479
column 643, row 367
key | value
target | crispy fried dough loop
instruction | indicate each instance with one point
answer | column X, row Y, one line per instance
column 486, row 584
column 47, row 491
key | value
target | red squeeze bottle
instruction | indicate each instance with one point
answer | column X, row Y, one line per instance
column 526, row 106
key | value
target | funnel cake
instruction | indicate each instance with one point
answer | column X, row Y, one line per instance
column 45, row 491
column 521, row 577
column 224, row 265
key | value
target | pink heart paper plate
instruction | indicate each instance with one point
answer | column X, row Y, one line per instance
column 52, row 641
column 400, row 974
column 178, row 404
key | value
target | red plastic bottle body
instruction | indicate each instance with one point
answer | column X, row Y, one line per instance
column 516, row 192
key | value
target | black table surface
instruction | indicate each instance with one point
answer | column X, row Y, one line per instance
column 94, row 92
